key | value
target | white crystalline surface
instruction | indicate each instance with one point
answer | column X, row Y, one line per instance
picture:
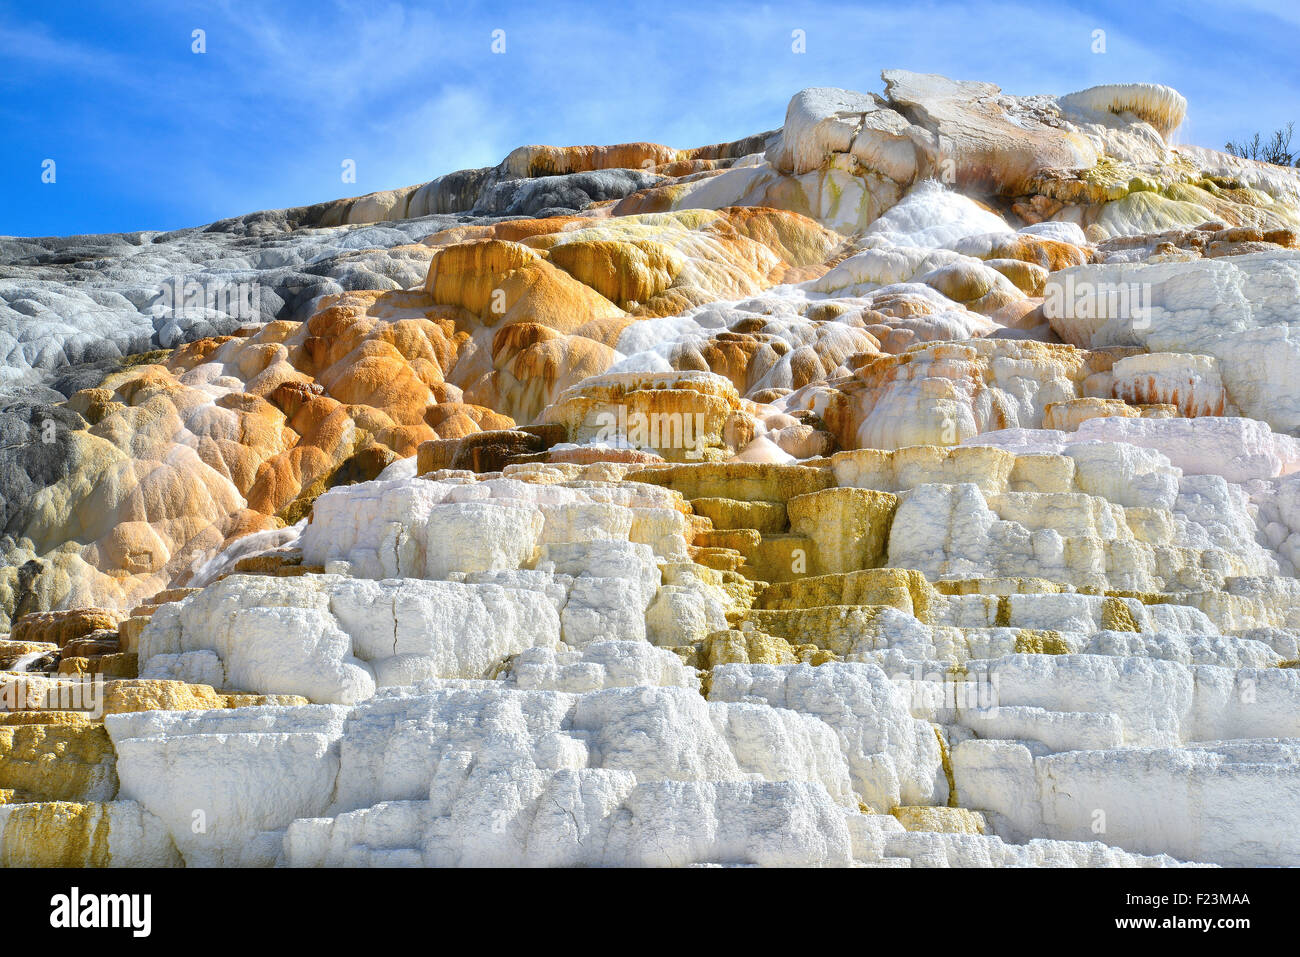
column 519, row 711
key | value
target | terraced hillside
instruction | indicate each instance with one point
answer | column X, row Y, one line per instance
column 911, row 485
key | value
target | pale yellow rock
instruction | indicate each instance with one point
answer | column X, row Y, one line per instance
column 172, row 594
column 56, row 834
column 83, row 834
column 1042, row 642
column 243, row 700
column 70, row 718
column 67, row 759
column 1152, row 526
column 1070, row 514
column 779, row 558
column 945, row 820
column 128, row 632
column 741, row 540
column 744, row 647
column 738, row 480
column 764, row 517
column 60, row 627
column 840, row 629
column 124, row 697
column 1116, row 616
column 998, row 586
column 1067, row 415
column 1025, row 276
column 896, row 470
column 849, row 527
column 1042, row 472
column 898, row 588
column 680, row 417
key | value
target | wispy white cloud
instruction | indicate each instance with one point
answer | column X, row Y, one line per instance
column 35, row 47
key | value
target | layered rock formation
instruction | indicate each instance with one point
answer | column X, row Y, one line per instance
column 911, row 485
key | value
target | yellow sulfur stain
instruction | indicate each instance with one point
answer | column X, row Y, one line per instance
column 944, row 820
column 65, row 759
column 1041, row 642
column 901, row 588
column 945, row 756
column 56, row 834
column 744, row 647
column 1116, row 616
column 1003, row 619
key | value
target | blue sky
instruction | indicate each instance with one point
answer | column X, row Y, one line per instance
column 147, row 134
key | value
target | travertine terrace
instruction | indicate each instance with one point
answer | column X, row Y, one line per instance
column 914, row 484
